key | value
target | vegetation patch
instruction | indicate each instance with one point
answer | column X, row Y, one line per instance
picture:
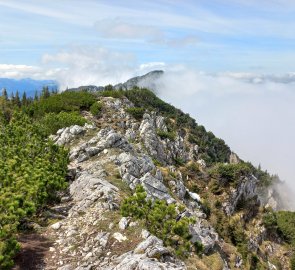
column 283, row 223
column 166, row 135
column 136, row 112
column 161, row 220
column 32, row 170
column 96, row 108
column 52, row 122
column 66, row 101
column 229, row 173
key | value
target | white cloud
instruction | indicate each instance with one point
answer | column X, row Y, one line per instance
column 18, row 71
column 255, row 119
column 118, row 28
column 90, row 66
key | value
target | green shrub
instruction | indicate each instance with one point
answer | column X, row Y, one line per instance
column 286, row 225
column 32, row 170
column 270, row 221
column 206, row 208
column 136, row 112
column 52, row 122
column 218, row 204
column 65, row 101
column 216, row 188
column 96, row 108
column 228, row 173
column 179, row 161
column 166, row 135
column 161, row 220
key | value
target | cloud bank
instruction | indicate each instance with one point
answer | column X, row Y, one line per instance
column 253, row 113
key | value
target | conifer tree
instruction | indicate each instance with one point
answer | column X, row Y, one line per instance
column 45, row 92
column 17, row 101
column 36, row 96
column 24, row 99
column 4, row 94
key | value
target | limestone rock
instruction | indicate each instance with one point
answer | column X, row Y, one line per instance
column 56, row 225
column 119, row 237
column 123, row 223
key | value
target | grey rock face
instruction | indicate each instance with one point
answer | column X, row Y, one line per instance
column 149, row 254
column 66, row 135
column 165, row 151
column 150, row 139
column 137, row 170
column 105, row 138
column 233, row 158
column 204, row 234
column 87, row 189
column 245, row 190
column 155, row 188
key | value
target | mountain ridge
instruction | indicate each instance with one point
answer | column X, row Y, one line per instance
column 148, row 187
column 146, row 80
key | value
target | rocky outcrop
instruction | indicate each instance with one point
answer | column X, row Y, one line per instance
column 136, row 170
column 81, row 242
column 166, row 150
column 104, row 139
column 246, row 190
column 202, row 232
column 149, row 254
column 67, row 134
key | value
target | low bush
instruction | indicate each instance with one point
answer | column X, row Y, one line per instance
column 161, row 220
column 65, row 101
column 32, row 170
column 228, row 173
column 96, row 108
column 52, row 122
column 166, row 135
column 136, row 112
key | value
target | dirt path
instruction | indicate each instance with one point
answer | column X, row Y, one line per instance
column 34, row 248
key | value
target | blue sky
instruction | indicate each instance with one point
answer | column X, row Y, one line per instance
column 229, row 63
column 212, row 36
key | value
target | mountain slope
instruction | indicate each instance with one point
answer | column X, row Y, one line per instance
column 133, row 138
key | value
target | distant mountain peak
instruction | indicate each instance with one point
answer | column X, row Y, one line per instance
column 146, row 80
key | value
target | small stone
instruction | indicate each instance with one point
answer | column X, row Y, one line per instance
column 88, row 256
column 145, row 234
column 119, row 237
column 133, row 224
column 56, row 226
column 195, row 196
column 123, row 223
